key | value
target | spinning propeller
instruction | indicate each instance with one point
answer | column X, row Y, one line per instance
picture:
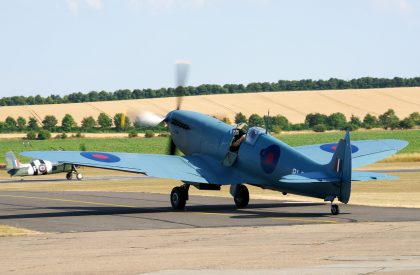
column 151, row 119
column 181, row 75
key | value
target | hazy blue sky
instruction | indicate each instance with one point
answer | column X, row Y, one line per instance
column 63, row 46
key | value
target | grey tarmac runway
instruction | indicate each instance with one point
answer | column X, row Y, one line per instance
column 111, row 211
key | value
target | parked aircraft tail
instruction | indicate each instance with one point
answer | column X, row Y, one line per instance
column 340, row 165
column 12, row 161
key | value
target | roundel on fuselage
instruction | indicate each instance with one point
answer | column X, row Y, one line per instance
column 269, row 158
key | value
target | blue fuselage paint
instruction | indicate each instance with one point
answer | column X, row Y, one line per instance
column 261, row 156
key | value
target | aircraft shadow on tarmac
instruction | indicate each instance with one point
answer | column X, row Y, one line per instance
column 253, row 211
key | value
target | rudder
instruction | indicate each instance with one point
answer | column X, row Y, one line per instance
column 12, row 161
column 340, row 164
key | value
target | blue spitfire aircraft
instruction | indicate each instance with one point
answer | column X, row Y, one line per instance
column 217, row 154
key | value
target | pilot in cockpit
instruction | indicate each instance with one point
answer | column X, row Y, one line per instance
column 239, row 136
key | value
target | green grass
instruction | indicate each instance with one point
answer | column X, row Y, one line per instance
column 159, row 145
column 412, row 136
column 156, row 145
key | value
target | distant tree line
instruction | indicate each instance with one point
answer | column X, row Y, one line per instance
column 206, row 89
column 336, row 121
column 103, row 123
column 120, row 123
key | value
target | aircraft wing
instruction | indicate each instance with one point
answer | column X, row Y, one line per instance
column 364, row 152
column 197, row 168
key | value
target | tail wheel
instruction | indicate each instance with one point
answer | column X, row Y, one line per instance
column 178, row 198
column 241, row 197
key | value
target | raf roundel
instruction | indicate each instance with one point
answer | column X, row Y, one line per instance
column 102, row 157
column 269, row 158
column 331, row 147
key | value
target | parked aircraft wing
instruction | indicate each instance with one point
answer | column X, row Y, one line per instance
column 364, row 152
column 199, row 169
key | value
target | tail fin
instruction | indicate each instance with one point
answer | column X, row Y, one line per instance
column 12, row 161
column 340, row 165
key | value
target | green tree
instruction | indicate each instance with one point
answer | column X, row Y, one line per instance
column 336, row 120
column 33, row 124
column 354, row 123
column 370, row 121
column 255, row 120
column 240, row 118
column 49, row 123
column 104, row 121
column 415, row 117
column 88, row 123
column 133, row 133
column 44, row 134
column 320, row 128
column 21, row 123
column 31, row 135
column 389, row 119
column 121, row 122
column 277, row 123
column 149, row 134
column 407, row 123
column 314, row 119
column 10, row 124
column 68, row 123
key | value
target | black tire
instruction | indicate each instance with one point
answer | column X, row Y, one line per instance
column 241, row 197
column 178, row 198
column 69, row 176
column 335, row 210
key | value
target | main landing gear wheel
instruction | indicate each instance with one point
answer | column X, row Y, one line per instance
column 335, row 210
column 179, row 197
column 69, row 176
column 241, row 196
column 79, row 176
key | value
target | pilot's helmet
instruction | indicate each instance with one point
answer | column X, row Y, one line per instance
column 242, row 126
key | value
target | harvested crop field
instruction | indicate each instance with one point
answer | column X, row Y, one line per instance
column 294, row 105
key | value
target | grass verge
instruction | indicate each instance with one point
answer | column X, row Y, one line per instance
column 7, row 231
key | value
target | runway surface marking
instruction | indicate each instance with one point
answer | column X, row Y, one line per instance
column 194, row 212
column 67, row 200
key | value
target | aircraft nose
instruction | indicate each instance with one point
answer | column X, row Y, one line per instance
column 169, row 116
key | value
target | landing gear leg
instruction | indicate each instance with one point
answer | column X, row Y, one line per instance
column 179, row 197
column 241, row 196
column 69, row 175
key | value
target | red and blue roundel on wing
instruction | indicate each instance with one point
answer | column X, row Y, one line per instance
column 269, row 158
column 331, row 147
column 102, row 157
